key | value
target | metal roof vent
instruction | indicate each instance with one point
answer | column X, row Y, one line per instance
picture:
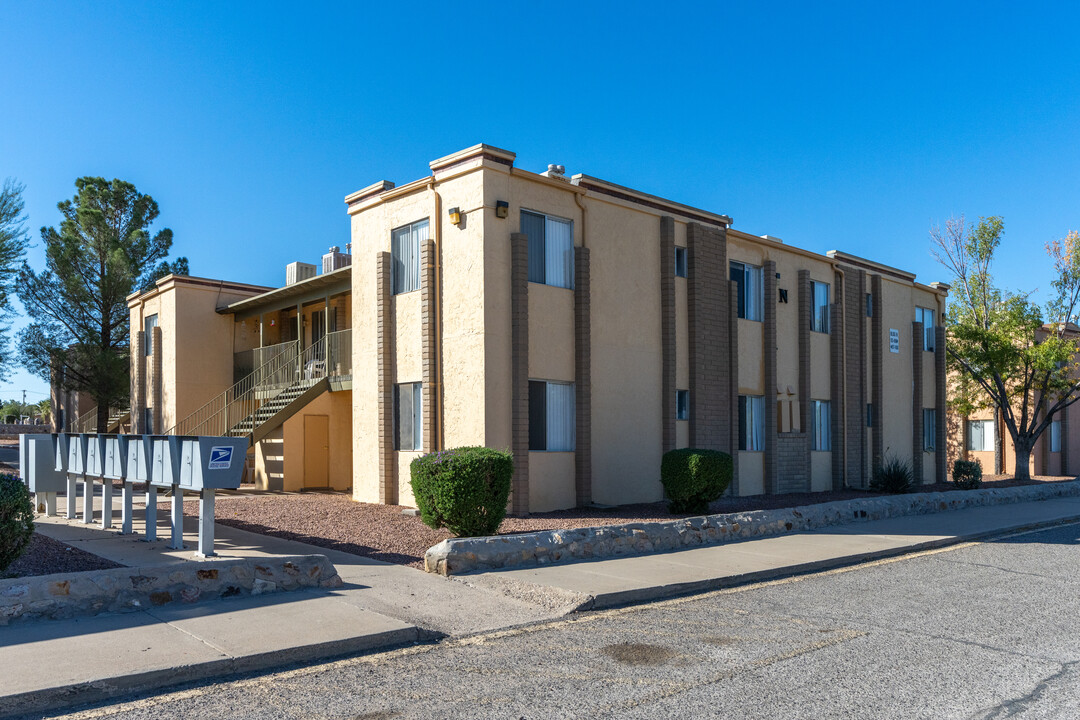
column 557, row 172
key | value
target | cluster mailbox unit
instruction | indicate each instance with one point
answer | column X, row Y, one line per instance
column 49, row 464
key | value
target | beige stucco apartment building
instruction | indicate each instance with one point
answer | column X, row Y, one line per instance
column 584, row 326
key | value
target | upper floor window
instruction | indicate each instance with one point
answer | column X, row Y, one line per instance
column 551, row 249
column 819, row 306
column 926, row 317
column 682, row 404
column 681, row 263
column 748, row 280
column 405, row 253
column 869, row 305
column 980, row 435
column 148, row 336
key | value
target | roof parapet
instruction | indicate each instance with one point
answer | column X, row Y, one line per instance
column 481, row 151
column 370, row 191
column 870, row 265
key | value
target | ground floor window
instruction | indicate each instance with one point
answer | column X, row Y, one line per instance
column 408, row 417
column 551, row 416
column 929, row 429
column 751, row 422
column 980, row 435
column 1055, row 436
column 819, row 425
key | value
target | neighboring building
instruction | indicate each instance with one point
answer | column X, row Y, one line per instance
column 584, row 326
column 983, row 436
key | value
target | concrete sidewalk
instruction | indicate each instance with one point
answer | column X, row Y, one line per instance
column 54, row 663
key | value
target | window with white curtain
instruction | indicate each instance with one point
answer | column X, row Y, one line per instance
column 926, row 317
column 1055, row 436
column 551, row 416
column 681, row 263
column 148, row 336
column 981, row 435
column 551, row 249
column 748, row 280
column 819, row 425
column 682, row 404
column 929, row 429
column 751, row 422
column 405, row 254
column 819, row 307
column 408, row 417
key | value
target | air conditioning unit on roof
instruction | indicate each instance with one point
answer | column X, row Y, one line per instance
column 335, row 260
column 298, row 272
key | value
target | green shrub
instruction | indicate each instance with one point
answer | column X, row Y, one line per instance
column 967, row 474
column 463, row 489
column 694, row 478
column 16, row 519
column 894, row 476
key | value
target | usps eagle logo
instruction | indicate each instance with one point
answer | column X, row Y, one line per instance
column 220, row 457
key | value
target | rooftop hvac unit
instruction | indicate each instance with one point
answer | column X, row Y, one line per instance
column 298, row 272
column 335, row 260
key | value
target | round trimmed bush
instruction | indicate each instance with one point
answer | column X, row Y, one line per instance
column 967, row 474
column 463, row 489
column 694, row 478
column 16, row 519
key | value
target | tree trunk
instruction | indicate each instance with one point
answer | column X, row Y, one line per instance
column 102, row 417
column 1023, row 460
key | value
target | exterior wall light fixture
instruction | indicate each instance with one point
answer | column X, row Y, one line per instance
column 455, row 215
column 502, row 209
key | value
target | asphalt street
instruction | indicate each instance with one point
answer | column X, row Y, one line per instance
column 988, row 630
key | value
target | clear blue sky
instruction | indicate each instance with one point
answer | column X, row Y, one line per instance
column 850, row 126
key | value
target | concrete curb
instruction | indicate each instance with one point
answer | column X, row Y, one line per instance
column 63, row 696
column 638, row 596
column 460, row 555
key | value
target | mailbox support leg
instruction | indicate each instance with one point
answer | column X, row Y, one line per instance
column 88, row 500
column 177, row 519
column 206, row 523
column 72, row 490
column 106, row 503
column 127, row 496
column 151, row 514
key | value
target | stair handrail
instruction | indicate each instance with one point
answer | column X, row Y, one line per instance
column 81, row 424
column 213, row 418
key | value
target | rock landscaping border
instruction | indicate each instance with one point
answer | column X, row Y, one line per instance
column 67, row 595
column 461, row 555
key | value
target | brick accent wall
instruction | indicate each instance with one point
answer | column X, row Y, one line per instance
column 155, row 390
column 388, row 484
column 916, row 401
column 732, row 398
column 667, row 331
column 428, row 343
column 792, row 449
column 138, row 383
column 855, row 376
column 941, row 459
column 877, row 382
column 769, row 461
column 519, row 341
column 836, row 383
column 804, row 310
column 583, row 375
column 709, row 315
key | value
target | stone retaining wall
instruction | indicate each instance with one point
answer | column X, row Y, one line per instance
column 67, row 595
column 459, row 555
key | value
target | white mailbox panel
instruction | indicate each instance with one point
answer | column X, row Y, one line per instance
column 140, row 455
column 115, row 456
column 165, row 466
column 77, row 444
column 95, row 454
column 39, row 469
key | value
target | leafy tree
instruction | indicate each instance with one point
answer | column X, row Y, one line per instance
column 1004, row 351
column 102, row 251
column 13, row 241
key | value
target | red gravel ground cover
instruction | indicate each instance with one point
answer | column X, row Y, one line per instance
column 382, row 532
column 46, row 556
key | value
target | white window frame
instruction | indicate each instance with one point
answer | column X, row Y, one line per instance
column 751, row 289
column 405, row 244
column 819, row 313
column 986, row 434
column 1055, row 436
column 929, row 431
column 557, row 268
column 752, row 423
column 682, row 404
column 149, row 323
column 559, row 431
column 922, row 315
column 820, row 426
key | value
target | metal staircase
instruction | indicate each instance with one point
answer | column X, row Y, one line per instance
column 87, row 422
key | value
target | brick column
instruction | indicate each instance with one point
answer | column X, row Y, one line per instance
column 836, row 384
column 769, row 461
column 519, row 362
column 941, row 456
column 709, row 315
column 854, row 376
column 156, row 379
column 428, row 343
column 877, row 382
column 138, row 383
column 388, row 481
column 916, row 402
column 583, row 375
column 804, row 310
column 667, row 332
column 732, row 398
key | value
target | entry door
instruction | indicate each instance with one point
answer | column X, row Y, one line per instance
column 316, row 451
